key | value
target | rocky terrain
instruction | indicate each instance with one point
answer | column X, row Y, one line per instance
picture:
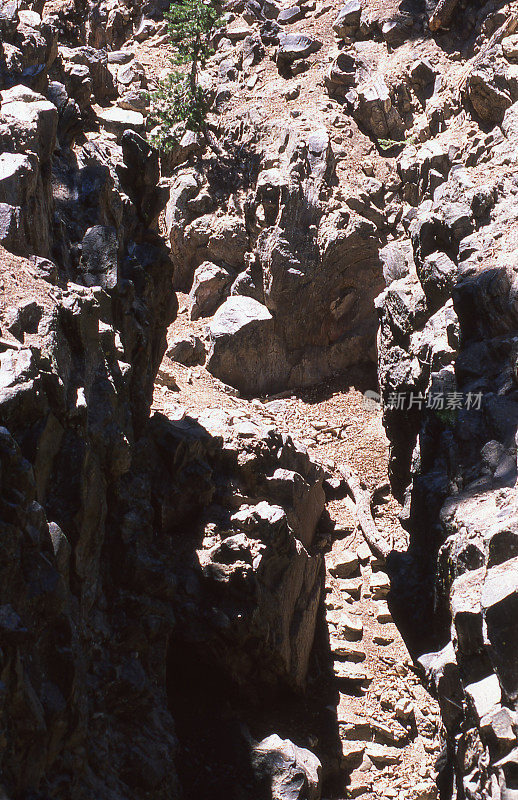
column 258, row 405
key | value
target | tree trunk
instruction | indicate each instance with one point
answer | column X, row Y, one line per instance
column 364, row 518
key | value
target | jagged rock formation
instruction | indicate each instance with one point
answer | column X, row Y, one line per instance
column 142, row 548
column 83, row 332
column 102, row 586
column 448, row 336
column 281, row 255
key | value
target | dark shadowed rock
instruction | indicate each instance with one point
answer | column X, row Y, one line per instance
column 99, row 259
column 437, row 275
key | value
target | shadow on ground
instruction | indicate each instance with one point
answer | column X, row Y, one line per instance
column 227, row 687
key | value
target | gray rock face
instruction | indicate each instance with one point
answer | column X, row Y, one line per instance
column 129, row 543
column 75, row 391
column 83, row 433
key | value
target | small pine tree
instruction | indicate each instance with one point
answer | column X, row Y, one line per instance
column 179, row 97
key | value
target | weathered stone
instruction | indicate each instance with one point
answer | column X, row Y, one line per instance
column 32, row 121
column 289, row 15
column 510, row 47
column 372, row 108
column 500, row 727
column 404, row 709
column 18, row 176
column 499, row 606
column 351, row 587
column 484, row 695
column 352, row 753
column 118, row 120
column 391, row 733
column 437, row 275
column 396, row 31
column 296, row 46
column 293, row 773
column 442, row 670
column 241, row 334
column 423, row 73
column 379, row 585
column 383, row 614
column 351, row 628
column 120, row 56
column 346, row 652
column 99, row 259
column 344, row 562
column 488, row 99
column 210, row 285
column 145, row 30
column 348, row 19
column 381, row 755
column 348, row 671
column 187, row 351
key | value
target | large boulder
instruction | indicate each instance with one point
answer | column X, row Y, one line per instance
column 296, row 46
column 488, row 94
column 119, row 120
column 293, row 773
column 244, row 350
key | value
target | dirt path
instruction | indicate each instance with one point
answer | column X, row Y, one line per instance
column 389, row 726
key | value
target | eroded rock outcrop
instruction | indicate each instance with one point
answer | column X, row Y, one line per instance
column 285, row 255
column 128, row 541
column 448, row 342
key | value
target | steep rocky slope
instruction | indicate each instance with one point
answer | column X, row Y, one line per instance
column 189, row 608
